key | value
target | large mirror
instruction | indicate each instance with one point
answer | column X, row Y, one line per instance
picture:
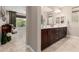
column 50, row 19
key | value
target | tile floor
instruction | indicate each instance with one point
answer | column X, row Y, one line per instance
column 17, row 44
column 68, row 44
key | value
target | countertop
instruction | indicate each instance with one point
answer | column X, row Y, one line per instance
column 47, row 27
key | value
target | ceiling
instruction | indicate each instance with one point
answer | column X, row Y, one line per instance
column 19, row 9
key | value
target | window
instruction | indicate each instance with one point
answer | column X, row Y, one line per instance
column 20, row 22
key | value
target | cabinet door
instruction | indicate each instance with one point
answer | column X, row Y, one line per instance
column 60, row 33
column 52, row 36
column 57, row 34
column 65, row 31
column 44, row 39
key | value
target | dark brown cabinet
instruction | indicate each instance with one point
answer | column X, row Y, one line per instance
column 45, row 38
column 52, row 35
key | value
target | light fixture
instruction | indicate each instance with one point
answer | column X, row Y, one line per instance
column 57, row 11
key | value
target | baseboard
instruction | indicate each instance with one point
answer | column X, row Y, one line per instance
column 72, row 36
column 30, row 48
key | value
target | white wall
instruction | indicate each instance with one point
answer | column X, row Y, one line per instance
column 33, row 27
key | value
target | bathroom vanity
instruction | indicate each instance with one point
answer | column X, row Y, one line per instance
column 51, row 35
column 53, row 26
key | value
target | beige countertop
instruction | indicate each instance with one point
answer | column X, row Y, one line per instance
column 53, row 26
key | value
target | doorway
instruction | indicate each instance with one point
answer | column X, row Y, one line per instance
column 21, row 32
